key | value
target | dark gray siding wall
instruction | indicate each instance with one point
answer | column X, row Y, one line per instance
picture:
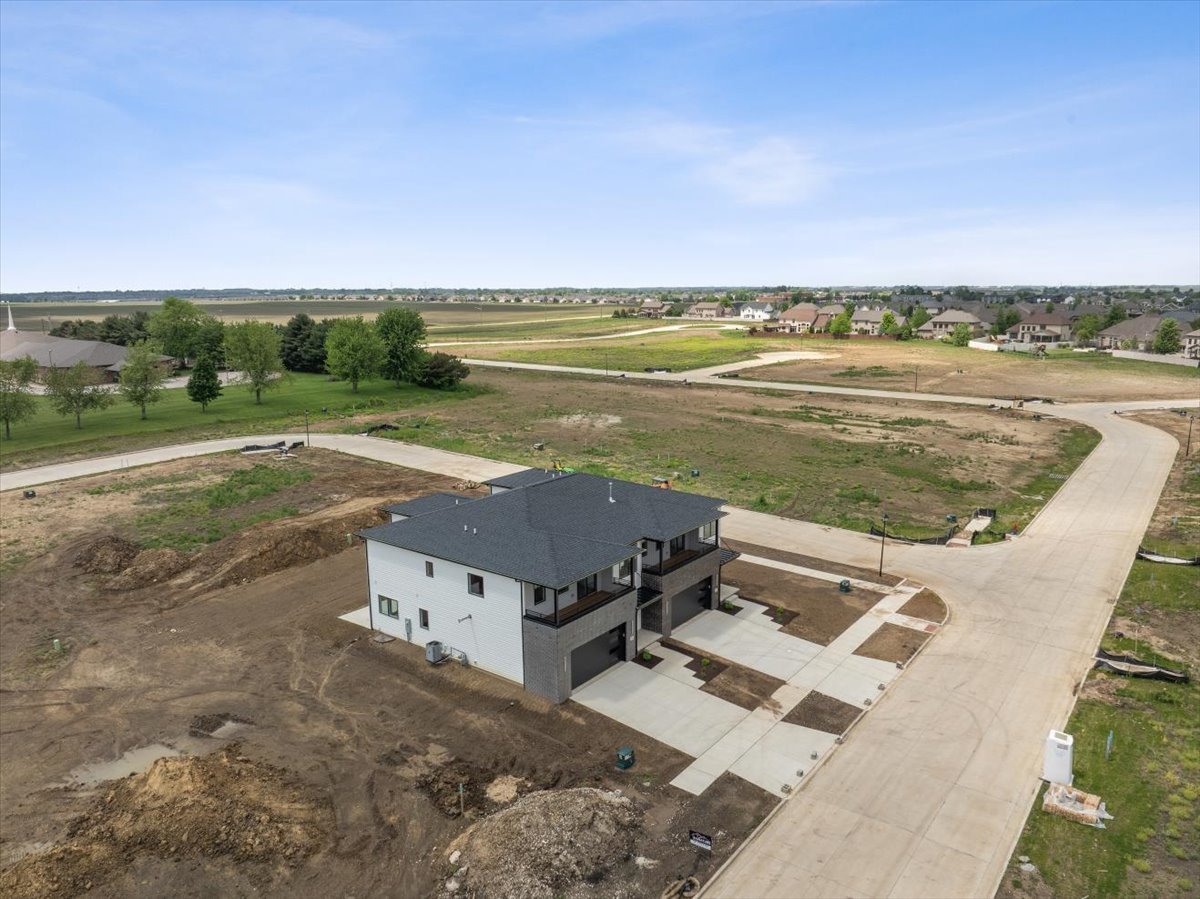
column 680, row 580
column 548, row 649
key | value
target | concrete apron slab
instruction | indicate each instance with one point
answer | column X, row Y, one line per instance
column 361, row 617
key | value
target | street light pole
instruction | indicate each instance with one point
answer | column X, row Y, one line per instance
column 306, row 439
column 1191, row 421
column 882, row 541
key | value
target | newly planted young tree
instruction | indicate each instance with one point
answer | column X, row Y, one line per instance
column 354, row 351
column 403, row 333
column 204, row 385
column 142, row 375
column 16, row 400
column 253, row 349
column 75, row 390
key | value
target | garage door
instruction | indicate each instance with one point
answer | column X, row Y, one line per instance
column 689, row 603
column 597, row 655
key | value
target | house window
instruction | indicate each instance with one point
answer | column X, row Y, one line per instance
column 585, row 586
column 423, row 618
column 708, row 531
column 389, row 607
column 677, row 544
column 625, row 569
column 539, row 595
column 475, row 584
column 428, row 569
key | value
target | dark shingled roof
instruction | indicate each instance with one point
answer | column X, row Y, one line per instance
column 432, row 502
column 551, row 533
column 526, row 478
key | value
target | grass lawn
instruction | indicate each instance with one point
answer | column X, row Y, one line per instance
column 176, row 419
column 1151, row 784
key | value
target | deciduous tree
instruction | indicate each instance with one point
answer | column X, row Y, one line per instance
column 888, row 324
column 1006, row 319
column 252, row 348
column 16, row 400
column 142, row 375
column 961, row 335
column 176, row 326
column 402, row 331
column 354, row 351
column 75, row 390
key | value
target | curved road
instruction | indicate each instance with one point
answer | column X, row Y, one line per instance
column 929, row 794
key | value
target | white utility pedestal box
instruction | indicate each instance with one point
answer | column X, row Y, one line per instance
column 1058, row 762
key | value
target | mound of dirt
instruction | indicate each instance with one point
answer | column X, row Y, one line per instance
column 151, row 566
column 272, row 547
column 546, row 844
column 216, row 805
column 107, row 555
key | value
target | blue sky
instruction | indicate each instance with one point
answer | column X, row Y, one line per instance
column 520, row 145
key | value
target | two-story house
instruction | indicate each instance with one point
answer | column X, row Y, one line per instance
column 756, row 312
column 551, row 579
column 799, row 319
column 943, row 325
column 1191, row 344
column 1041, row 327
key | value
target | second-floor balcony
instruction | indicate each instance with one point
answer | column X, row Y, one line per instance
column 679, row 559
column 558, row 616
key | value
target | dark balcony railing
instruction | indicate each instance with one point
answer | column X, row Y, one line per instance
column 680, row 558
column 583, row 605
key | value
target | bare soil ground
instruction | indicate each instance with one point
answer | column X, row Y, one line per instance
column 744, row 687
column 822, row 613
column 355, row 749
column 927, row 606
column 821, row 712
column 889, row 365
column 892, row 643
column 781, row 555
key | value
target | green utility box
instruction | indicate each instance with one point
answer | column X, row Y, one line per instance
column 625, row 758
column 844, row 586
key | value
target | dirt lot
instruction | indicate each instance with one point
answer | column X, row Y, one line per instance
column 892, row 643
column 352, row 751
column 927, row 606
column 821, row 712
column 888, row 365
column 823, row 612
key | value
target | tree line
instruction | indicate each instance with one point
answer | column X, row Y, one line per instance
column 348, row 349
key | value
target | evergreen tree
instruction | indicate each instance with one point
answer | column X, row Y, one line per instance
column 204, row 385
column 1167, row 339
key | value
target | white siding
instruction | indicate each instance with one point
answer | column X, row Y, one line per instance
column 491, row 637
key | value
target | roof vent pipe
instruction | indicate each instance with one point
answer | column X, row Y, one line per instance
column 464, row 528
column 474, row 531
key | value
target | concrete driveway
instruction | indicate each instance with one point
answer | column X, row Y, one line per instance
column 661, row 707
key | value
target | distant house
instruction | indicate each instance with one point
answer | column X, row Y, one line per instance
column 756, row 312
column 1041, row 327
column 921, row 300
column 799, row 319
column 706, row 310
column 943, row 325
column 1191, row 344
column 870, row 321
column 1138, row 332
column 653, row 309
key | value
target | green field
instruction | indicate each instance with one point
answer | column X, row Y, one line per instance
column 678, row 351
column 176, row 419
